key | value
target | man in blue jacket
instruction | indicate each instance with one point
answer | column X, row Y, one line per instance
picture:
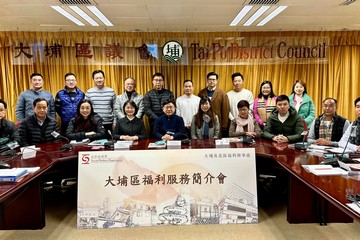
column 66, row 101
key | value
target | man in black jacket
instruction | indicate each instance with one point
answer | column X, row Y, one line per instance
column 38, row 127
column 8, row 130
column 155, row 99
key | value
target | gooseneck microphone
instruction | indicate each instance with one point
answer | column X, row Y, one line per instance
column 343, row 158
column 110, row 144
column 65, row 146
column 186, row 140
column 334, row 161
column 302, row 145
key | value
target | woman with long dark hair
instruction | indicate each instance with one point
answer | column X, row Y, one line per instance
column 205, row 124
column 265, row 103
column 86, row 123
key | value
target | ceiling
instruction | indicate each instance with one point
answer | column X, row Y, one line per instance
column 181, row 16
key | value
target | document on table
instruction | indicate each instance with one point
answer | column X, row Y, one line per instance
column 338, row 150
column 29, row 169
column 319, row 147
column 324, row 170
column 354, row 206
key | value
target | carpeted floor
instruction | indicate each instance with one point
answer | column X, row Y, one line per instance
column 61, row 225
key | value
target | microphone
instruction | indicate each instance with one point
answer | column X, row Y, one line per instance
column 302, row 145
column 110, row 144
column 65, row 146
column 248, row 140
column 345, row 158
column 340, row 157
column 186, row 140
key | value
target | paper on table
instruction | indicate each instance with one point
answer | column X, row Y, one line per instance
column 354, row 206
column 319, row 147
column 324, row 170
column 29, row 169
column 338, row 150
column 154, row 145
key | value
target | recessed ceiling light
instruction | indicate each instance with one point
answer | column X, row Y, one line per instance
column 272, row 15
column 99, row 14
column 256, row 15
column 241, row 15
column 67, row 15
column 84, row 15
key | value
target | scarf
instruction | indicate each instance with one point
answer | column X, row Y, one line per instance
column 325, row 130
column 265, row 107
column 205, row 131
column 241, row 123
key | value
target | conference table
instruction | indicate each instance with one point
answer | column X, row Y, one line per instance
column 311, row 198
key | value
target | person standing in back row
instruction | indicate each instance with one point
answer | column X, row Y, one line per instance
column 237, row 94
column 103, row 100
column 187, row 105
column 219, row 101
column 129, row 94
column 155, row 99
column 67, row 100
column 24, row 105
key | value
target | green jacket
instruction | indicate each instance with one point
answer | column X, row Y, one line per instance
column 306, row 110
column 291, row 128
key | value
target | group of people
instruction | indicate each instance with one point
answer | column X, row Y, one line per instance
column 213, row 113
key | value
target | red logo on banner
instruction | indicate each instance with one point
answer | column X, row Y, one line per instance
column 85, row 159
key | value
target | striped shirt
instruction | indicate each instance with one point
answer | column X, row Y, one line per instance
column 103, row 101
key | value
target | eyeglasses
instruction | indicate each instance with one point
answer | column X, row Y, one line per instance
column 212, row 79
column 70, row 80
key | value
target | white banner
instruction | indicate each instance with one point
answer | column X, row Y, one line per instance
column 166, row 187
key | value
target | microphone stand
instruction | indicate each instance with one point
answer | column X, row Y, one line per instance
column 64, row 147
column 110, row 144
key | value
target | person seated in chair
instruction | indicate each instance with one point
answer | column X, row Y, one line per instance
column 8, row 130
column 130, row 127
column 169, row 126
column 244, row 124
column 86, row 123
column 329, row 127
column 38, row 128
column 351, row 137
column 284, row 124
column 205, row 123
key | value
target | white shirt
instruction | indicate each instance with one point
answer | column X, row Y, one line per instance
column 187, row 107
column 235, row 97
column 283, row 118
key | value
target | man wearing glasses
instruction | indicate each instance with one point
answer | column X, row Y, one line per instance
column 66, row 101
column 155, row 99
column 219, row 101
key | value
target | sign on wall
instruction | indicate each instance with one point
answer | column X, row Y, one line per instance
column 166, row 187
column 182, row 51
